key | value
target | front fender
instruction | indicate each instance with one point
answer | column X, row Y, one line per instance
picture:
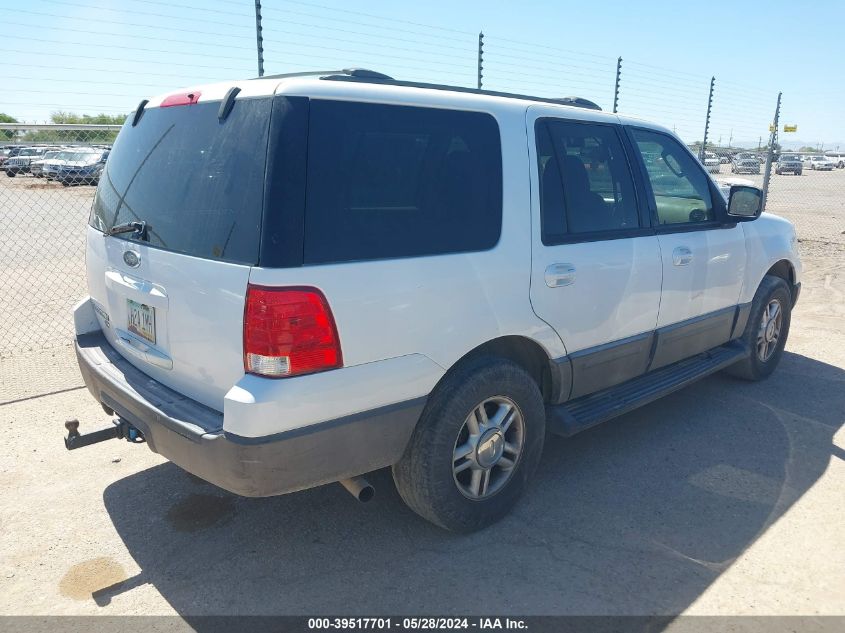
column 768, row 240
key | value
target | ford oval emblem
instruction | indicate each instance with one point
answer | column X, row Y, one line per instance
column 132, row 259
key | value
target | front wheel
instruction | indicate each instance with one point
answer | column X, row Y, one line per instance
column 476, row 445
column 767, row 329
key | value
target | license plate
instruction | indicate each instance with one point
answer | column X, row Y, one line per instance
column 142, row 320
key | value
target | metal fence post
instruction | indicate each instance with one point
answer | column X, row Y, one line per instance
column 707, row 120
column 259, row 40
column 772, row 140
column 616, row 87
column 480, row 56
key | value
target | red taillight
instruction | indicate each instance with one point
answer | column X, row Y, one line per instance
column 182, row 98
column 288, row 331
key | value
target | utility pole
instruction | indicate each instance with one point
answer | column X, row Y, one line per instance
column 480, row 57
column 707, row 119
column 259, row 39
column 772, row 140
column 616, row 87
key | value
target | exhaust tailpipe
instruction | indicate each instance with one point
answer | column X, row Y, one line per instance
column 359, row 488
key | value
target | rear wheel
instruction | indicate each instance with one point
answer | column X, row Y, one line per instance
column 767, row 329
column 475, row 447
column 10, row 173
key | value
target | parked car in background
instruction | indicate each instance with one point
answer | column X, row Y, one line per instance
column 50, row 167
column 745, row 163
column 21, row 162
column 36, row 167
column 821, row 163
column 82, row 168
column 789, row 164
column 837, row 158
column 711, row 162
column 4, row 154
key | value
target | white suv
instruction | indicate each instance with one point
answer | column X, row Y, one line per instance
column 298, row 280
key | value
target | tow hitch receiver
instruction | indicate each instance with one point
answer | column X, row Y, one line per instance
column 121, row 429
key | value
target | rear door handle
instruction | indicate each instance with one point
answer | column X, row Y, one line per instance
column 558, row 275
column 681, row 256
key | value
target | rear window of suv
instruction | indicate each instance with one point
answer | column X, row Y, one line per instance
column 196, row 181
column 387, row 181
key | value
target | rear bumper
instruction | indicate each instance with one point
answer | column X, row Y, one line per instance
column 191, row 435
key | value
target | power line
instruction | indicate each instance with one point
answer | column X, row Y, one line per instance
column 108, row 83
column 379, row 17
column 399, row 48
column 547, row 47
column 111, row 59
column 121, row 23
column 190, row 7
column 147, row 13
column 371, row 26
column 468, row 49
column 99, row 70
column 147, row 50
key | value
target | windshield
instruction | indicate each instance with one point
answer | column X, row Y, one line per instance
column 790, row 157
column 83, row 157
column 196, row 181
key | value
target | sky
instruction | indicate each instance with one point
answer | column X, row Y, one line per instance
column 92, row 56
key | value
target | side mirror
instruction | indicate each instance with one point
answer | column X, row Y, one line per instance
column 745, row 203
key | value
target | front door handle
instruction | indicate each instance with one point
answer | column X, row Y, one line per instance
column 558, row 275
column 681, row 256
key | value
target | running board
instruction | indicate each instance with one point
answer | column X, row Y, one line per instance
column 580, row 414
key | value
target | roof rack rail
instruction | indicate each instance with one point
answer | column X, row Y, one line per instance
column 365, row 75
column 357, row 73
column 369, row 76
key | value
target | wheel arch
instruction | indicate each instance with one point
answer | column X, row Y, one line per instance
column 525, row 352
column 785, row 270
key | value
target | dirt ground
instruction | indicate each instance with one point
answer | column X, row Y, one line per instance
column 724, row 498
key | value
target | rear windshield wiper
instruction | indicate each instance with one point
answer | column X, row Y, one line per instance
column 138, row 228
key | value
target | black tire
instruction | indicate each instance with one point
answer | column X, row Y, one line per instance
column 754, row 367
column 424, row 475
column 11, row 174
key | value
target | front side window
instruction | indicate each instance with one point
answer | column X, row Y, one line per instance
column 680, row 187
column 388, row 181
column 585, row 181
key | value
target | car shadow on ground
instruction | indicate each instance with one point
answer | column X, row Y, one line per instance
column 638, row 516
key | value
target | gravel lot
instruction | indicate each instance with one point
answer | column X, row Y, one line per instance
column 724, row 498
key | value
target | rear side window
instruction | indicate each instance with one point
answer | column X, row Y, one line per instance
column 389, row 181
column 585, row 180
column 196, row 181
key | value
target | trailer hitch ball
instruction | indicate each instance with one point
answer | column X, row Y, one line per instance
column 72, row 427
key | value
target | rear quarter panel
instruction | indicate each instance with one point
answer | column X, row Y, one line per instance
column 439, row 306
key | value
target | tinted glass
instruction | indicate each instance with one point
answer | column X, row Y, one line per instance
column 589, row 163
column 196, row 181
column 396, row 181
column 680, row 186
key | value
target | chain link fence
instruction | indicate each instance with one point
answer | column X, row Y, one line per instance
column 47, row 184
